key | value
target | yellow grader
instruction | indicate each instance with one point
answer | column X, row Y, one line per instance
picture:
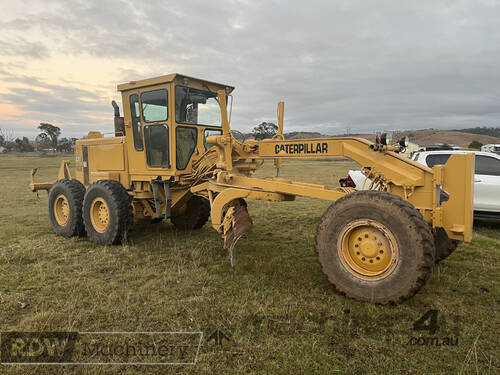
column 173, row 156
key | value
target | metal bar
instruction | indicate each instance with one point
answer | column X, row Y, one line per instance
column 281, row 113
column 168, row 198
column 157, row 198
column 226, row 131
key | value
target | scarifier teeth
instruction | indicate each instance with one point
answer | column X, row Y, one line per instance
column 236, row 223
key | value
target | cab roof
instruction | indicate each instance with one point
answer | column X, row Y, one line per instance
column 168, row 78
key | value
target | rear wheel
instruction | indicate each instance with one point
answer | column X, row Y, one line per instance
column 444, row 245
column 374, row 246
column 195, row 216
column 65, row 208
column 107, row 212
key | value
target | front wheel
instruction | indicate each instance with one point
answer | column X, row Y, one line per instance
column 107, row 212
column 374, row 246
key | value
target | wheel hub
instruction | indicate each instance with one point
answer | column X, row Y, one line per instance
column 99, row 215
column 61, row 210
column 367, row 249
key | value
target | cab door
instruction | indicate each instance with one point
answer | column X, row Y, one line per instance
column 155, row 121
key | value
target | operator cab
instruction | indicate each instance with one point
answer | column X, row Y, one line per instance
column 167, row 120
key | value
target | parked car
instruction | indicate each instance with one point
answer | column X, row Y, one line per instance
column 486, row 178
column 491, row 148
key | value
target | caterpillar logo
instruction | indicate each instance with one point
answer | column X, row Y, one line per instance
column 302, row 148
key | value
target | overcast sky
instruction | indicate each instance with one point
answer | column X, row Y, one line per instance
column 357, row 65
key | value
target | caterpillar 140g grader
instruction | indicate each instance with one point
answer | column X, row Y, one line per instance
column 173, row 156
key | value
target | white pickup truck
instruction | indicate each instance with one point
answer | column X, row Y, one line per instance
column 486, row 178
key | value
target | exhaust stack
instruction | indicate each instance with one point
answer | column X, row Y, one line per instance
column 119, row 122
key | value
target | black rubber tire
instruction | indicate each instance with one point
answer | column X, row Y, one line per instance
column 74, row 191
column 412, row 234
column 444, row 245
column 195, row 216
column 120, row 212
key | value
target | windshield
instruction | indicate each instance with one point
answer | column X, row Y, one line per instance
column 197, row 107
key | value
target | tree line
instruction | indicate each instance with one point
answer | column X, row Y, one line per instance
column 482, row 130
column 46, row 141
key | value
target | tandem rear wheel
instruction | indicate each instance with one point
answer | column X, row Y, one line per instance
column 65, row 208
column 374, row 246
column 107, row 212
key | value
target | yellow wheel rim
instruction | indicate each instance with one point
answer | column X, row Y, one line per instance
column 61, row 210
column 368, row 250
column 99, row 215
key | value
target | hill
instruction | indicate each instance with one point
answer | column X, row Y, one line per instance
column 302, row 135
column 428, row 137
column 494, row 132
column 433, row 136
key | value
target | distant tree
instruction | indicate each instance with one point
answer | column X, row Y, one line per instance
column 66, row 144
column 6, row 135
column 52, row 132
column 43, row 142
column 10, row 146
column 483, row 130
column 2, row 141
column 23, row 145
column 264, row 130
column 475, row 144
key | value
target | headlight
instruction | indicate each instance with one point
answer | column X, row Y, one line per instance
column 404, row 141
column 384, row 139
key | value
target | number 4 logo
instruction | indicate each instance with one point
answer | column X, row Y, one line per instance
column 430, row 316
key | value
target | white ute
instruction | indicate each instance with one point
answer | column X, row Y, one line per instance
column 486, row 178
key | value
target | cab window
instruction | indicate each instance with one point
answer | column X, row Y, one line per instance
column 156, row 137
column 196, row 107
column 185, row 139
column 209, row 132
column 154, row 105
column 136, row 122
column 487, row 165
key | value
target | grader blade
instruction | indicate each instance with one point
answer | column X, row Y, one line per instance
column 236, row 223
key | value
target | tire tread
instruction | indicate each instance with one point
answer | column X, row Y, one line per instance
column 117, row 234
column 422, row 228
column 77, row 191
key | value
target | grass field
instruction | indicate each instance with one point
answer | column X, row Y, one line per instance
column 277, row 307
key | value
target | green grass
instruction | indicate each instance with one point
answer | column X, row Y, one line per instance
column 276, row 305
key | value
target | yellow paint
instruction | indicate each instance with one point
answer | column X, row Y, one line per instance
column 368, row 249
column 61, row 210
column 99, row 215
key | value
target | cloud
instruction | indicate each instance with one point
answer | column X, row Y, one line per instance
column 21, row 47
column 341, row 64
column 32, row 101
